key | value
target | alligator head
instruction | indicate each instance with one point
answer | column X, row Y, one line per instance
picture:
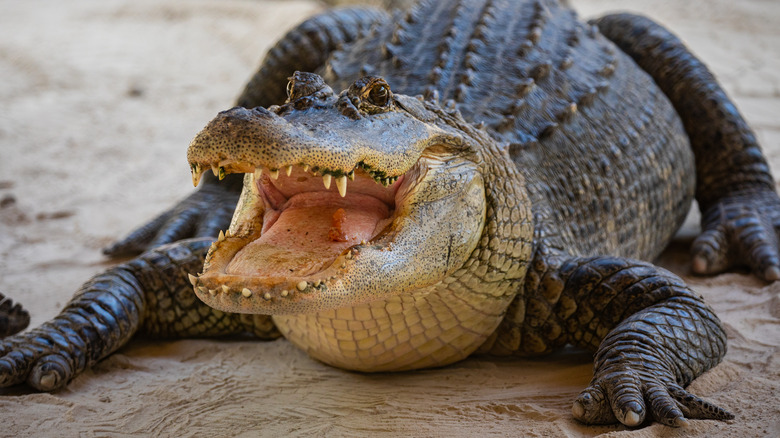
column 352, row 197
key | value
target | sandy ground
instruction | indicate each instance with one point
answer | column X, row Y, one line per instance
column 98, row 101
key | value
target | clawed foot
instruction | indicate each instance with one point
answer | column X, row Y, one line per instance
column 625, row 396
column 44, row 358
column 202, row 214
column 740, row 230
column 13, row 318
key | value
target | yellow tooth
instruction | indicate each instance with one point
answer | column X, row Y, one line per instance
column 225, row 289
column 305, row 167
column 193, row 279
column 288, row 170
column 326, row 180
column 275, row 174
column 266, row 296
column 341, row 183
column 215, row 169
column 196, row 173
column 258, row 173
column 221, row 236
column 246, row 292
column 302, row 285
column 285, row 293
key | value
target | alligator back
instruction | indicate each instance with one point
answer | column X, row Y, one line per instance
column 607, row 161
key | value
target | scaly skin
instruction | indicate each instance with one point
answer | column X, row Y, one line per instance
column 13, row 318
column 520, row 204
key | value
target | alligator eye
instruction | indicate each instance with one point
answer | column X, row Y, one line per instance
column 379, row 94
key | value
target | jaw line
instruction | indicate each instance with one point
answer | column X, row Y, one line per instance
column 452, row 189
column 285, row 295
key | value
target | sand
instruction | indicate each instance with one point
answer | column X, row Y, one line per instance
column 98, row 101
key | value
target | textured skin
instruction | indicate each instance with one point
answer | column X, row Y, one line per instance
column 149, row 295
column 13, row 318
column 564, row 142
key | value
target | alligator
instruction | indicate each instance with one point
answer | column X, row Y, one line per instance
column 487, row 179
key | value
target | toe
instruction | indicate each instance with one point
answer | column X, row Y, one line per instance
column 50, row 372
column 696, row 407
column 592, row 407
column 626, row 398
column 663, row 407
column 709, row 252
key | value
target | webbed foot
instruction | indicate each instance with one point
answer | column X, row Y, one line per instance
column 631, row 394
column 740, row 230
column 202, row 214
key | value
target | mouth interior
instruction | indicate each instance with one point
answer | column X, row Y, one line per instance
column 306, row 226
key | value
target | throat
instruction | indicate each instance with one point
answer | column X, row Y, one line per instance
column 421, row 329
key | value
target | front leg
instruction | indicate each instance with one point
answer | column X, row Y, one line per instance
column 652, row 336
column 150, row 295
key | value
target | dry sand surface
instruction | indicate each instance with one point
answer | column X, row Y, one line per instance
column 98, row 101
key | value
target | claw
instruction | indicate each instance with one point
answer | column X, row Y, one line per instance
column 632, row 419
column 772, row 273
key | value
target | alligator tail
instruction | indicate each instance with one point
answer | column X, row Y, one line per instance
column 13, row 318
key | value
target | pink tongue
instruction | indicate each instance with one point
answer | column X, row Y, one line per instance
column 306, row 238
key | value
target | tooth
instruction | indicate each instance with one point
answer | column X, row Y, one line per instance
column 317, row 283
column 341, row 183
column 221, row 236
column 326, row 180
column 363, row 242
column 258, row 173
column 225, row 289
column 213, row 291
column 215, row 169
column 305, row 167
column 203, row 290
column 275, row 174
column 196, row 173
column 267, row 296
column 222, row 173
column 288, row 171
column 348, row 256
column 246, row 292
column 351, row 174
column 193, row 279
column 227, row 233
column 285, row 293
column 301, row 285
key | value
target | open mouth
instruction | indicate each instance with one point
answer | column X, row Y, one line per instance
column 311, row 219
column 298, row 230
